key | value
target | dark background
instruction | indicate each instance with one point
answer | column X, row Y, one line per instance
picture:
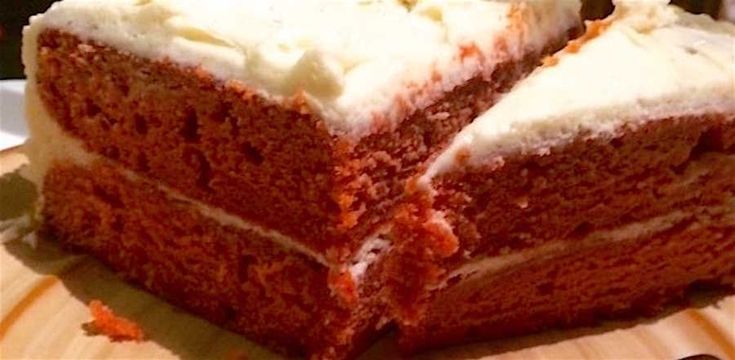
column 14, row 15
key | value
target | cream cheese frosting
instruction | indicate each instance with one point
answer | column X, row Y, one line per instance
column 650, row 61
column 351, row 59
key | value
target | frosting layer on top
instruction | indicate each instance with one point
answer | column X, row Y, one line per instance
column 351, row 59
column 648, row 61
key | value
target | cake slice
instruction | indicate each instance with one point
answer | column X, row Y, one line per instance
column 241, row 158
column 601, row 185
column 301, row 116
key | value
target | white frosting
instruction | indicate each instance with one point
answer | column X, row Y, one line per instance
column 371, row 251
column 47, row 142
column 653, row 62
column 352, row 58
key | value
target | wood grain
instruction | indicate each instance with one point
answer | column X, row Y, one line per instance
column 44, row 292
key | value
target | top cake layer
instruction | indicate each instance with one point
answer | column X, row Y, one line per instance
column 351, row 59
column 648, row 61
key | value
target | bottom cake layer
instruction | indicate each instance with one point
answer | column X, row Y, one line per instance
column 629, row 271
column 233, row 277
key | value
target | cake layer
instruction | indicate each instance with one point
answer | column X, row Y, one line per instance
column 237, row 278
column 220, row 143
column 587, row 186
column 350, row 60
column 584, row 283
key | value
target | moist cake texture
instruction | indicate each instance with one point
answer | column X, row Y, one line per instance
column 233, row 106
column 290, row 170
column 593, row 189
column 241, row 159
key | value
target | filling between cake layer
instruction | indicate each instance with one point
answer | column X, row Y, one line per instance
column 632, row 231
column 50, row 145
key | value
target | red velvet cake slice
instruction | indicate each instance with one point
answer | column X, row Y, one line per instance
column 239, row 157
column 301, row 116
column 601, row 185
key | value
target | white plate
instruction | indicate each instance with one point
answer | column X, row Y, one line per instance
column 13, row 129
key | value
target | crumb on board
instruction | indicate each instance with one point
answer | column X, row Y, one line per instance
column 117, row 328
column 236, row 355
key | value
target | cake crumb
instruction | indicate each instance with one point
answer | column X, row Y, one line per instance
column 522, row 202
column 343, row 285
column 594, row 30
column 463, row 156
column 117, row 328
column 236, row 355
column 550, row 61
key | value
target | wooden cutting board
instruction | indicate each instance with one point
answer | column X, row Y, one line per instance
column 44, row 293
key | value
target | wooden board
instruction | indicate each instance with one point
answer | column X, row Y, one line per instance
column 44, row 292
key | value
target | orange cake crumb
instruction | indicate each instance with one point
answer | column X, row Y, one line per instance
column 550, row 61
column 594, row 29
column 236, row 355
column 117, row 328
